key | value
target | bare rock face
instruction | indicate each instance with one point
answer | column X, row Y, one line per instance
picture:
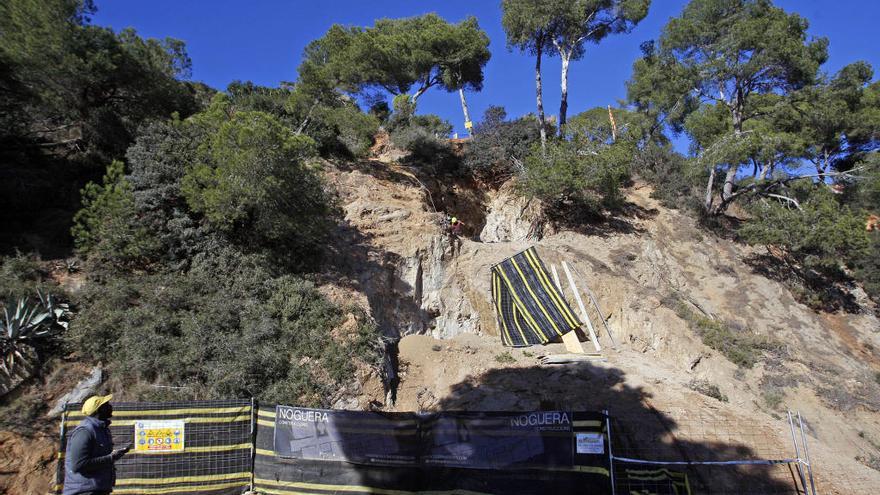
column 430, row 293
column 511, row 217
column 396, row 251
column 84, row 389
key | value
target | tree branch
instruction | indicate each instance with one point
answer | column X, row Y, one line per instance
column 765, row 188
column 786, row 198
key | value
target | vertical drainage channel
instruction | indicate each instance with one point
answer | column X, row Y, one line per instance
column 390, row 370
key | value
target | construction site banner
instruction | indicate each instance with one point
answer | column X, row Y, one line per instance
column 314, row 451
column 179, row 448
column 358, row 437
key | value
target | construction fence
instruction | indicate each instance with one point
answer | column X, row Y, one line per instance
column 203, row 447
column 229, row 447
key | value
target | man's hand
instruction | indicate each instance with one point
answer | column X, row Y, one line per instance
column 118, row 453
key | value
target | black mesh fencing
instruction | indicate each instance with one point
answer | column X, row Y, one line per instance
column 178, row 448
column 684, row 451
column 320, row 451
column 228, row 447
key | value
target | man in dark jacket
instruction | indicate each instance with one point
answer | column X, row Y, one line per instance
column 88, row 462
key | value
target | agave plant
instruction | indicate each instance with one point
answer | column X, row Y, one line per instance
column 27, row 326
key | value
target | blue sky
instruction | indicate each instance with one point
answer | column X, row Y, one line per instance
column 262, row 41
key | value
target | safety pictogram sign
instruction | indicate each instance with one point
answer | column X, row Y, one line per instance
column 159, row 436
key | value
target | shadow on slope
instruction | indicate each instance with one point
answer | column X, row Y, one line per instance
column 586, row 219
column 638, row 429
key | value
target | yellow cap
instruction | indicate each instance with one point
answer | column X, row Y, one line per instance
column 94, row 402
column 454, row 219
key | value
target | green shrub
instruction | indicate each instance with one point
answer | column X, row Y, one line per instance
column 773, row 398
column 672, row 177
column 741, row 347
column 224, row 328
column 107, row 224
column 354, row 131
column 868, row 266
column 505, row 358
column 22, row 276
column 336, row 124
column 426, row 137
column 250, row 182
column 379, row 108
column 585, row 168
column 708, row 389
column 564, row 174
column 821, row 237
column 403, row 111
column 249, row 97
column 818, row 244
column 500, row 145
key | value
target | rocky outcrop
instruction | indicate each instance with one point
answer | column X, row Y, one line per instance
column 511, row 217
column 425, row 294
column 395, row 247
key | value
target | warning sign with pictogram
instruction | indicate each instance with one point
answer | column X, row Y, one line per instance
column 159, row 436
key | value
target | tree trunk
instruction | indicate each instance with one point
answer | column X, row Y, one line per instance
column 539, row 95
column 709, row 186
column 418, row 93
column 464, row 108
column 563, row 100
column 765, row 170
column 822, row 166
column 729, row 180
column 730, row 177
column 305, row 122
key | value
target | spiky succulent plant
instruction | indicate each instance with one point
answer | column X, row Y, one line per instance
column 26, row 326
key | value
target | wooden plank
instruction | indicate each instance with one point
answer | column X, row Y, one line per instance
column 572, row 343
column 570, row 339
column 601, row 317
column 556, row 278
column 584, row 314
column 571, row 358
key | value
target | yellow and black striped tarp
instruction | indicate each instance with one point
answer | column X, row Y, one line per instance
column 216, row 457
column 531, row 309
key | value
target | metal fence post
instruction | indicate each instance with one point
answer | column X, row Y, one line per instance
column 253, row 442
column 610, row 452
column 797, row 453
column 62, row 447
column 806, row 454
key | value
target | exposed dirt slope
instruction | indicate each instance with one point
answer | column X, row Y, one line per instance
column 644, row 267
